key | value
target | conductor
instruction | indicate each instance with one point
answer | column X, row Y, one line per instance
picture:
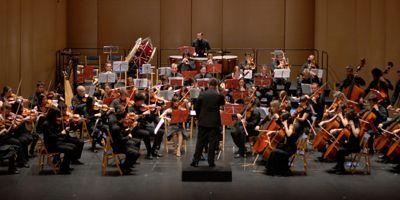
column 207, row 108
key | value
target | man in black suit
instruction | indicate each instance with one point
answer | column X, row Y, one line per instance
column 207, row 108
column 201, row 45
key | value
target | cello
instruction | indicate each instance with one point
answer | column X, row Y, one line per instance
column 262, row 139
column 323, row 135
column 385, row 139
column 353, row 92
column 334, row 147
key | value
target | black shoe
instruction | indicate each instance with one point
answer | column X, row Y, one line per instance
column 70, row 169
column 149, row 157
column 23, row 165
column 76, row 162
column 239, row 155
column 156, row 154
column 211, row 165
column 194, row 164
column 13, row 171
column 64, row 172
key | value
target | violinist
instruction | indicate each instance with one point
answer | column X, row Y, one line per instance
column 6, row 93
column 123, row 141
column 278, row 161
column 120, row 104
column 175, row 131
column 381, row 84
column 245, row 128
column 40, row 89
column 78, row 102
column 7, row 150
column 54, row 140
column 351, row 78
column 146, row 125
column 285, row 103
column 351, row 124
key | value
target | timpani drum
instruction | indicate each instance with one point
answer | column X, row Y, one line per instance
column 198, row 62
column 228, row 63
column 175, row 59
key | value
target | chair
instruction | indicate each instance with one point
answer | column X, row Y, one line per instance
column 167, row 143
column 300, row 152
column 46, row 157
column 108, row 154
column 363, row 154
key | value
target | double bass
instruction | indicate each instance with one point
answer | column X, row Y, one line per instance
column 353, row 92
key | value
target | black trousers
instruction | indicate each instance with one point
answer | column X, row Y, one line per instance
column 239, row 138
column 131, row 154
column 342, row 153
column 21, row 156
column 77, row 153
column 68, row 149
column 278, row 162
column 145, row 133
column 206, row 135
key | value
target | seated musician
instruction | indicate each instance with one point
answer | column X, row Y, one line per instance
column 10, row 146
column 78, row 102
column 6, row 93
column 350, row 77
column 74, row 126
column 306, row 78
column 186, row 64
column 278, row 161
column 242, row 85
column 273, row 113
column 54, row 140
column 174, row 71
column 384, row 126
column 146, row 126
column 302, row 115
column 124, row 142
column 248, row 61
column 352, row 145
column 201, row 45
column 210, row 59
column 120, row 104
column 237, row 73
column 310, row 64
column 381, row 84
column 244, row 128
column 175, row 131
column 266, row 93
column 33, row 100
column 203, row 74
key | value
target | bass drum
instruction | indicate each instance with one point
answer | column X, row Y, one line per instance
column 142, row 53
column 228, row 63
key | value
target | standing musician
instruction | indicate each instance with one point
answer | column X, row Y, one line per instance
column 186, row 64
column 201, row 45
column 381, row 84
column 124, row 142
column 351, row 124
column 351, row 78
column 175, row 131
column 245, row 128
column 145, row 129
column 208, row 110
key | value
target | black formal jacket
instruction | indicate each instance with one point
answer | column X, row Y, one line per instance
column 207, row 108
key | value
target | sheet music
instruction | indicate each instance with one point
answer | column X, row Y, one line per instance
column 160, row 123
column 90, row 89
column 306, row 88
column 166, row 94
column 120, row 66
column 248, row 73
column 141, row 83
column 318, row 72
column 192, row 113
column 146, row 69
column 164, row 71
column 107, row 77
column 282, row 73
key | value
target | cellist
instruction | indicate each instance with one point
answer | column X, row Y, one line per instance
column 381, row 84
column 351, row 124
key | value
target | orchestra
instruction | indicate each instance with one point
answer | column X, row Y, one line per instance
column 268, row 121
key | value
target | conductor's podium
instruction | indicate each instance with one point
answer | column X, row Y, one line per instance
column 220, row 173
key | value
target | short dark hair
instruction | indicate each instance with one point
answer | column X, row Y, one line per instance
column 376, row 72
column 39, row 83
column 139, row 97
column 213, row 82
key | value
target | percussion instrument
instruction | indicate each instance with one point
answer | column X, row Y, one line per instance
column 198, row 62
column 228, row 63
column 142, row 53
column 175, row 59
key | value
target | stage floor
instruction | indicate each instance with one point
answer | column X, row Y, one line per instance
column 161, row 179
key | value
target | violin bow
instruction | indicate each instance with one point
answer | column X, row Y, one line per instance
column 19, row 87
